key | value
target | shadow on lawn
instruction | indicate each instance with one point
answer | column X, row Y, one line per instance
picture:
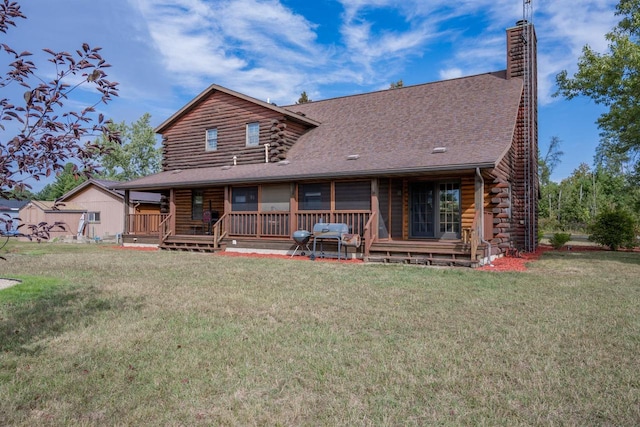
column 24, row 325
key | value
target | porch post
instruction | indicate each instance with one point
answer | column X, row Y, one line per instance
column 293, row 208
column 172, row 211
column 126, row 213
column 375, row 206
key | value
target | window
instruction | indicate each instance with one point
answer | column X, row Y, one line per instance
column 314, row 197
column 275, row 197
column 197, row 202
column 353, row 195
column 212, row 140
column 93, row 217
column 244, row 199
column 253, row 134
column 435, row 210
column 449, row 209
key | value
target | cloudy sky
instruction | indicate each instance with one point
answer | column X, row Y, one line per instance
column 165, row 52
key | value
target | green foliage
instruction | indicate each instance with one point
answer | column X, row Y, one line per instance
column 558, row 240
column 136, row 156
column 66, row 180
column 303, row 98
column 613, row 79
column 396, row 85
column 548, row 162
column 614, row 228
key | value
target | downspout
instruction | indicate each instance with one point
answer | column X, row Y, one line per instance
column 480, row 206
column 266, row 152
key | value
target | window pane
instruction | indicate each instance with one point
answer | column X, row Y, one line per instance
column 197, row 200
column 212, row 139
column 449, row 208
column 275, row 198
column 353, row 195
column 244, row 199
column 314, row 196
column 253, row 134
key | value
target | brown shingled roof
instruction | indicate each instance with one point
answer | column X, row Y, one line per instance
column 390, row 132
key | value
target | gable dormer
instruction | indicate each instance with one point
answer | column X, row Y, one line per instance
column 221, row 127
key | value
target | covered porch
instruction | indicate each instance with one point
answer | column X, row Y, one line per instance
column 421, row 219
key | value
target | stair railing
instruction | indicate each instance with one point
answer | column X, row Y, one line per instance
column 219, row 231
column 369, row 235
column 164, row 229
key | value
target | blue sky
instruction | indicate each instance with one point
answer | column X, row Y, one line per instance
column 165, row 52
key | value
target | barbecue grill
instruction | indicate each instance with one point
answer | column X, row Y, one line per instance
column 333, row 231
column 301, row 237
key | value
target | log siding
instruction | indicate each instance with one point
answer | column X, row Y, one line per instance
column 184, row 142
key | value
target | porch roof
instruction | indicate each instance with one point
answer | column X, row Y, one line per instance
column 452, row 125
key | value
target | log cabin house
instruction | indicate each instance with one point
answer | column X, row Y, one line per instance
column 443, row 172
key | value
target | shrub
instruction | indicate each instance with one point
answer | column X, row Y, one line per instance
column 614, row 229
column 559, row 239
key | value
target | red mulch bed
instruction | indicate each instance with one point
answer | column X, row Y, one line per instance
column 517, row 263
column 506, row 263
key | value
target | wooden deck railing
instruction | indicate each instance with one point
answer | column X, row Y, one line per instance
column 355, row 220
column 164, row 229
column 145, row 223
column 254, row 224
column 369, row 235
column 219, row 230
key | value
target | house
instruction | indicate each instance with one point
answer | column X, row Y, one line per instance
column 9, row 214
column 96, row 211
column 438, row 172
column 36, row 212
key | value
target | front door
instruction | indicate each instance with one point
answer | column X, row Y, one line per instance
column 422, row 208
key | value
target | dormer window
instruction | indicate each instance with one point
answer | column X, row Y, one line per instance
column 253, row 134
column 211, row 139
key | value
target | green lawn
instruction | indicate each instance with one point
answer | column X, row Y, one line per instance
column 101, row 336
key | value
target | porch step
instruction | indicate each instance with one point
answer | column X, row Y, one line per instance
column 191, row 244
column 423, row 260
column 431, row 253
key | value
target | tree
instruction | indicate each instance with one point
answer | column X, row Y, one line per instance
column 396, row 85
column 548, row 162
column 135, row 155
column 66, row 180
column 613, row 79
column 614, row 228
column 303, row 98
column 46, row 135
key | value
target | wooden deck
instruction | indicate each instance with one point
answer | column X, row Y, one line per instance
column 422, row 252
column 425, row 252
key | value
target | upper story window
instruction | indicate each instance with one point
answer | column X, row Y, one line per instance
column 253, row 134
column 211, row 139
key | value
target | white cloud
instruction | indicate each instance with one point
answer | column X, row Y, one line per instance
column 451, row 73
column 261, row 46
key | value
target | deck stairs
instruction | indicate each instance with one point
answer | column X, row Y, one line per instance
column 440, row 253
column 190, row 243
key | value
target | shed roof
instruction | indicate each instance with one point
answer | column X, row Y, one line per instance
column 457, row 124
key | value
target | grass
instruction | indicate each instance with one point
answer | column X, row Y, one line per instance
column 105, row 336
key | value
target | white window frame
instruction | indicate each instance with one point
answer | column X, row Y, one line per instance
column 91, row 217
column 253, row 134
column 208, row 146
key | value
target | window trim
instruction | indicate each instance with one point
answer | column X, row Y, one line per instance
column 197, row 216
column 250, row 134
column 207, row 146
column 91, row 217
